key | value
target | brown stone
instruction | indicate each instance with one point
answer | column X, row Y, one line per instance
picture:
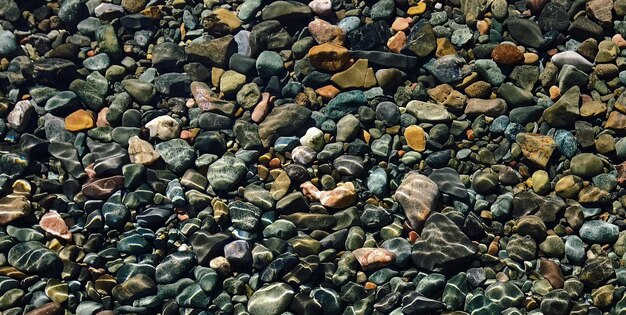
column 478, row 89
column 373, row 258
column 13, row 207
column 341, row 196
column 327, row 92
column 493, row 107
column 601, row 11
column 103, row 188
column 616, row 121
column 552, row 272
column 52, row 223
column 51, row 308
column 592, row 109
column 445, row 95
column 536, row 147
column 505, row 54
column 357, row 76
column 325, row 32
column 141, row 151
column 328, row 56
column 418, row 196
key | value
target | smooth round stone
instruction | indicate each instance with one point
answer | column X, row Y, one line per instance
column 62, row 101
column 388, row 113
column 506, row 294
column 574, row 249
column 556, row 302
column 98, row 62
column 224, row 173
column 586, row 165
column 175, row 266
column 8, row 43
column 244, row 215
column 193, row 296
column 600, row 232
column 32, row 257
column 142, row 92
column 269, row 64
column 272, row 299
column 177, row 153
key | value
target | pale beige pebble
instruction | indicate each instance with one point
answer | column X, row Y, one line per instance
column 373, row 258
column 340, row 197
column 418, row 195
column 619, row 40
column 102, row 121
column 483, row 27
column 19, row 116
column 262, row 108
column 163, row 127
column 321, row 7
column 52, row 223
column 530, row 58
column 141, row 151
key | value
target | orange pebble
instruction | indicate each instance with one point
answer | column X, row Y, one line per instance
column 397, row 42
column 554, row 92
column 400, row 24
column 470, row 134
column 275, row 163
column 91, row 53
column 327, row 92
column 370, row 285
column 413, row 237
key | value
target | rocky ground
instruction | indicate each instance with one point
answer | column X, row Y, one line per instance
column 312, row 157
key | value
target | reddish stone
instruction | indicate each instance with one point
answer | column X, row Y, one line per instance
column 52, row 223
column 505, row 54
column 373, row 258
column 103, row 188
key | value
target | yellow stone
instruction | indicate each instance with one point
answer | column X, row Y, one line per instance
column 418, row 9
column 216, row 74
column 352, row 77
column 153, row 13
column 228, row 17
column 415, row 138
column 444, row 47
column 79, row 120
column 592, row 108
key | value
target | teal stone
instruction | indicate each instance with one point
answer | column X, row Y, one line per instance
column 175, row 266
column 431, row 284
column 207, row 278
column 505, row 294
column 98, row 62
column 599, row 232
column 481, row 305
column 32, row 257
column 489, row 70
column 62, row 101
column 178, row 154
column 272, row 299
column 224, row 173
column 193, row 296
column 383, row 10
column 114, row 212
column 455, row 291
column 345, row 103
column 566, row 143
column 133, row 244
column 269, row 63
column 377, row 182
column 244, row 215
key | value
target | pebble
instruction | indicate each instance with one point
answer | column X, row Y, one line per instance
column 319, row 157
